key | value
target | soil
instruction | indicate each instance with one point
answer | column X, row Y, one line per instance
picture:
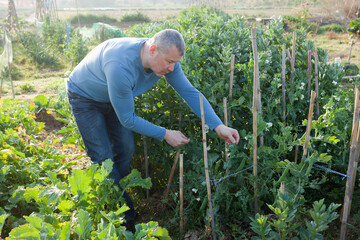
column 51, row 124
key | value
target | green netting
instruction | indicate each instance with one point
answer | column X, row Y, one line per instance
column 107, row 30
column 101, row 31
column 7, row 55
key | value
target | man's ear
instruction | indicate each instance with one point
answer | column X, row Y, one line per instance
column 152, row 49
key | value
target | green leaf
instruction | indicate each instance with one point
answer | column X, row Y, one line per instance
column 34, row 221
column 134, row 179
column 65, row 232
column 3, row 217
column 32, row 193
column 79, row 182
column 25, row 232
column 161, row 233
column 65, row 206
column 84, row 227
column 4, row 170
column 41, row 102
column 52, row 194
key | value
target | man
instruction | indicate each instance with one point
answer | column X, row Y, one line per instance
column 101, row 91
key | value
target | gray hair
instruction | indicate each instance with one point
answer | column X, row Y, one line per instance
column 167, row 38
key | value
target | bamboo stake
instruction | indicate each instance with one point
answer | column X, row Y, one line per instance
column 309, row 72
column 282, row 187
column 317, row 83
column 293, row 58
column 283, row 82
column 352, row 43
column 255, row 107
column 308, row 127
column 296, row 153
column 257, row 79
column 166, row 193
column 206, row 167
column 352, row 166
column 226, row 124
column 146, row 165
column 231, row 83
column 11, row 81
column 1, row 85
column 181, row 183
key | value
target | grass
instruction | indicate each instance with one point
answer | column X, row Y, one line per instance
column 338, row 45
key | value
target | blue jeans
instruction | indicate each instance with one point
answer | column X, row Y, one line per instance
column 104, row 137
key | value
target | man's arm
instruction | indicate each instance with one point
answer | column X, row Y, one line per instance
column 230, row 135
column 190, row 94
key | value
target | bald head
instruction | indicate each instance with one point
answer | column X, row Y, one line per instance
column 167, row 38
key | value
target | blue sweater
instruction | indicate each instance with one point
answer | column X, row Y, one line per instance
column 113, row 72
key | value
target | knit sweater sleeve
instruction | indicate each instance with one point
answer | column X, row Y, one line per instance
column 120, row 87
column 190, row 94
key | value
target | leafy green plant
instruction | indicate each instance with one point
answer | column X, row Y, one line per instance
column 76, row 50
column 354, row 29
column 41, row 102
column 27, row 87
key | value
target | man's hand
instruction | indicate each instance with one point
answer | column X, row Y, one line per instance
column 175, row 138
column 230, row 135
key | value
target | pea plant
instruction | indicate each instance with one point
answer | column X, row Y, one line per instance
column 211, row 37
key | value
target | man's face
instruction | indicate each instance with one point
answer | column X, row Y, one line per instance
column 163, row 63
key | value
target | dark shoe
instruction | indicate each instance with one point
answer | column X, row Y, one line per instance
column 130, row 226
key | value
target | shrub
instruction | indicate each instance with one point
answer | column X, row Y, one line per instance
column 331, row 28
column 135, row 17
column 90, row 19
column 38, row 49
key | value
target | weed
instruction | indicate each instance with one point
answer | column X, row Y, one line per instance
column 27, row 87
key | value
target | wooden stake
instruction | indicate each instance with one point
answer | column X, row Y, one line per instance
column 255, row 110
column 181, row 183
column 352, row 43
column 231, row 83
column 11, row 81
column 282, row 187
column 317, row 83
column 166, row 193
column 352, row 166
column 308, row 127
column 146, row 165
column 309, row 72
column 296, row 153
column 1, row 85
column 283, row 82
column 293, row 58
column 206, row 167
column 226, row 124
